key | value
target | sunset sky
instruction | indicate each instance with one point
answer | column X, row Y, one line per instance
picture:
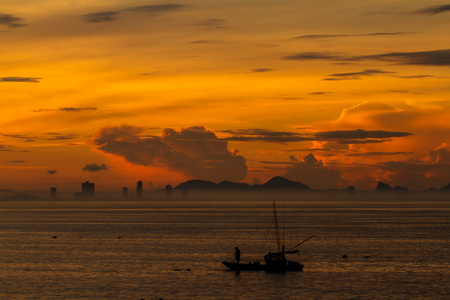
column 328, row 93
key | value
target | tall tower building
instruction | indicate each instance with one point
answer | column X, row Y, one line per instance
column 139, row 189
column 88, row 189
column 52, row 192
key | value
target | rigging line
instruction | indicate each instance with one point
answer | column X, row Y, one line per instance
column 277, row 228
column 284, row 222
column 261, row 251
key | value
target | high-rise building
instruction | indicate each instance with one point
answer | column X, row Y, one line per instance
column 52, row 192
column 88, row 189
column 139, row 189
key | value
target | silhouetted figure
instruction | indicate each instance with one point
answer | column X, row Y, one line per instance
column 237, row 255
column 139, row 189
column 124, row 192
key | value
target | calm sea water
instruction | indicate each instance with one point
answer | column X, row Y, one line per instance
column 159, row 249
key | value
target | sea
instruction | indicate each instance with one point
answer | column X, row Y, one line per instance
column 365, row 246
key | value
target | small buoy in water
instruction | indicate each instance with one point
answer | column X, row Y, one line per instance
column 118, row 237
column 177, row 270
column 54, row 236
column 367, row 256
column 188, row 270
column 344, row 256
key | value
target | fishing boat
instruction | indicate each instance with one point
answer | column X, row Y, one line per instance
column 274, row 262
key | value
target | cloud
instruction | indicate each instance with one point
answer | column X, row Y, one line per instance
column 206, row 42
column 358, row 75
column 212, row 24
column 59, row 136
column 319, row 93
column 425, row 58
column 365, row 154
column 105, row 16
column 195, row 152
column 312, row 172
column 11, row 21
column 326, row 36
column 433, row 10
column 315, row 56
column 20, row 79
column 16, row 161
column 156, row 9
column 265, row 135
column 65, row 109
column 439, row 155
column 360, row 134
column 95, row 168
column 20, row 136
column 261, row 70
column 51, row 172
column 153, row 10
column 366, row 107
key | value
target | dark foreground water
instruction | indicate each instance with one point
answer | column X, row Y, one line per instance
column 157, row 249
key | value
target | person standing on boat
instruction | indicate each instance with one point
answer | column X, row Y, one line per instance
column 237, row 255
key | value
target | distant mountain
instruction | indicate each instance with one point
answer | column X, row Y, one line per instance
column 197, row 184
column 383, row 187
column 24, row 197
column 446, row 188
column 279, row 183
column 276, row 183
column 233, row 185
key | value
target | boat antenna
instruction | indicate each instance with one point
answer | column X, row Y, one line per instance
column 277, row 228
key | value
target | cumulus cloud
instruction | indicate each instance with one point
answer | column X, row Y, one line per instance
column 20, row 79
column 11, row 21
column 440, row 154
column 95, row 167
column 426, row 58
column 195, row 151
column 312, row 172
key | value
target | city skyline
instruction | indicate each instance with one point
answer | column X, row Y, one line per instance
column 327, row 94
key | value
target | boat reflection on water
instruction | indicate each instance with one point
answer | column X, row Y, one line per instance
column 274, row 262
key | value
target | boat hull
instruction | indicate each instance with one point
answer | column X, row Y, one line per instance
column 290, row 267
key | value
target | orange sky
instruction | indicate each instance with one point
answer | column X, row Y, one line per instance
column 329, row 93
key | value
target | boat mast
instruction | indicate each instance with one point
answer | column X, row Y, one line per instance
column 277, row 229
